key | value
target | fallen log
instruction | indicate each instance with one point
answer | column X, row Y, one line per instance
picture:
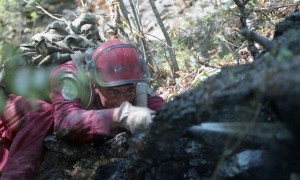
column 266, row 90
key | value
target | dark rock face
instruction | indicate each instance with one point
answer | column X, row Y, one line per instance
column 264, row 94
column 65, row 160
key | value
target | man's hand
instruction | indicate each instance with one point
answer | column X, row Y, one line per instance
column 135, row 118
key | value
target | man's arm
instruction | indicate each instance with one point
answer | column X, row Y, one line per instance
column 71, row 121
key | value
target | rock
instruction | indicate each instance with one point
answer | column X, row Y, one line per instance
column 80, row 160
column 244, row 161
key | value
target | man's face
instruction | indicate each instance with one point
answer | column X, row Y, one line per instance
column 112, row 97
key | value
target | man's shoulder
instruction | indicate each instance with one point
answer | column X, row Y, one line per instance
column 61, row 70
column 68, row 66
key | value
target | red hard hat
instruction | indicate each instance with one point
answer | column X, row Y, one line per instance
column 116, row 63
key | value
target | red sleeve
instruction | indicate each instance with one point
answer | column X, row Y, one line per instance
column 18, row 109
column 71, row 121
column 14, row 110
column 155, row 102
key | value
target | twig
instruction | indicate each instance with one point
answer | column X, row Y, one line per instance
column 46, row 12
column 187, row 75
column 83, row 4
column 227, row 43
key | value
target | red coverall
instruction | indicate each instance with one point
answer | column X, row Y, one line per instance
column 24, row 124
column 73, row 122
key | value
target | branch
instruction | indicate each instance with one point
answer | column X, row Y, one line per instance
column 46, row 12
column 252, row 36
column 241, row 5
column 175, row 67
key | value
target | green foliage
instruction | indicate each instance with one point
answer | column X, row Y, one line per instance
column 8, row 24
column 16, row 24
column 28, row 82
column 7, row 50
column 8, row 18
column 15, row 18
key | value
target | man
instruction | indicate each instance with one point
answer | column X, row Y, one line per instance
column 96, row 102
column 24, row 123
